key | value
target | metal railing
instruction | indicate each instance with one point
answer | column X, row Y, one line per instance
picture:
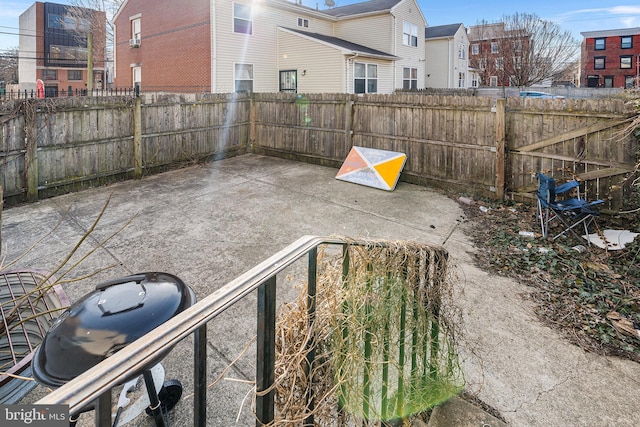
column 94, row 386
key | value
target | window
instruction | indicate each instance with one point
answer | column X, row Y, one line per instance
column 135, row 28
column 517, row 62
column 74, row 75
column 517, row 46
column 461, row 80
column 409, row 34
column 288, row 81
column 409, row 78
column 608, row 81
column 600, row 44
column 243, row 77
column 475, row 49
column 303, row 22
column 49, row 74
column 493, row 81
column 593, row 81
column 365, row 78
column 474, row 80
column 625, row 61
column 461, row 51
column 242, row 18
column 626, row 42
column 629, row 82
column 494, row 47
column 136, row 75
column 67, row 55
column 499, row 63
column 482, row 64
column 599, row 63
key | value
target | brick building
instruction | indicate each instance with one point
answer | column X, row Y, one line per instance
column 172, row 39
column 611, row 58
column 53, row 48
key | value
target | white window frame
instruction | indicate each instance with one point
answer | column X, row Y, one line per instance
column 461, row 51
column 494, row 47
column 500, row 63
column 369, row 68
column 303, row 22
column 474, row 80
column 136, row 75
column 409, row 34
column 411, row 81
column 475, row 49
column 462, row 80
column 238, row 69
column 493, row 81
column 136, row 27
column 237, row 19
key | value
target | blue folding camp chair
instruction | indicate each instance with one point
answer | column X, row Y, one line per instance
column 571, row 212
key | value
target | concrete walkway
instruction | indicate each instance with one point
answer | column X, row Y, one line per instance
column 208, row 224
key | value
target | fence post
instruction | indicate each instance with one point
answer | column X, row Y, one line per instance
column 252, row 124
column 1, row 206
column 31, row 150
column 137, row 137
column 348, row 132
column 500, row 125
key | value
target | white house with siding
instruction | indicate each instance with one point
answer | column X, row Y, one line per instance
column 375, row 46
column 447, row 57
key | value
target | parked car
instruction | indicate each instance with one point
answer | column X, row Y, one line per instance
column 539, row 95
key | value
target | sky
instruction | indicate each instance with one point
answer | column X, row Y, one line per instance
column 572, row 15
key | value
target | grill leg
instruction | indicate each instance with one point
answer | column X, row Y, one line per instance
column 154, row 406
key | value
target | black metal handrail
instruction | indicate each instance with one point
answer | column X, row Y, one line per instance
column 95, row 384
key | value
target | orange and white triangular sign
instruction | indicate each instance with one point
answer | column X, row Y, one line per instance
column 373, row 168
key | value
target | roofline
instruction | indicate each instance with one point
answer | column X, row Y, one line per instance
column 343, row 50
column 611, row 33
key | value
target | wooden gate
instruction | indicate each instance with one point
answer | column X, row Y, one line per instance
column 569, row 143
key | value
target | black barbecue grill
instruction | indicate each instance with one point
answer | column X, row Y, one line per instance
column 106, row 320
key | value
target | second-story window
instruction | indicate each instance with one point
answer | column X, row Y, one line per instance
column 494, row 47
column 625, row 61
column 303, row 22
column 461, row 50
column 475, row 49
column 600, row 44
column 626, row 42
column 599, row 63
column 409, row 34
column 135, row 28
column 242, row 22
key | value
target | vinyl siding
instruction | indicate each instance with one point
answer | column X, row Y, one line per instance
column 374, row 32
column 258, row 49
column 324, row 65
column 436, row 65
column 412, row 57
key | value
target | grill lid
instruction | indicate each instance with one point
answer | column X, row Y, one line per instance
column 104, row 321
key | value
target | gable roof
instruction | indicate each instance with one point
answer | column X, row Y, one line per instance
column 362, row 8
column 343, row 45
column 440, row 31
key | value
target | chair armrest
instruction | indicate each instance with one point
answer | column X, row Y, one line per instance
column 567, row 186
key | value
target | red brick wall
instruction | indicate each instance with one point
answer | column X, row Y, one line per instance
column 612, row 53
column 175, row 48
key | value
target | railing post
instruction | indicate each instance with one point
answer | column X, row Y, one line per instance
column 266, row 351
column 103, row 409
column 200, row 376
column 311, row 345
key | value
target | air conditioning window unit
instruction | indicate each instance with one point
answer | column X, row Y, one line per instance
column 134, row 42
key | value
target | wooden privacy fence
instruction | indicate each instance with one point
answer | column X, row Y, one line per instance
column 473, row 144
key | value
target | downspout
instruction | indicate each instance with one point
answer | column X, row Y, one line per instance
column 346, row 74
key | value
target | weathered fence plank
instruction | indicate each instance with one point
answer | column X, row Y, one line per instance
column 465, row 142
